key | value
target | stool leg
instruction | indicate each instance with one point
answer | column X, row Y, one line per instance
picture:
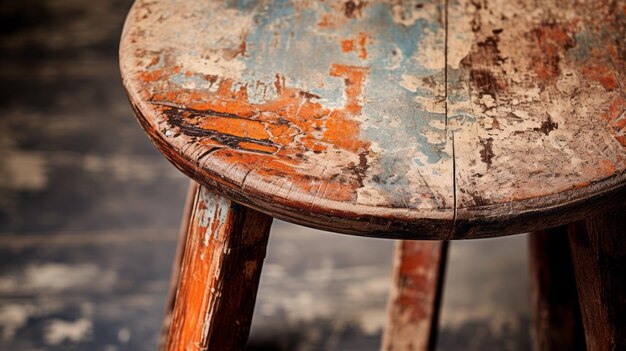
column 178, row 261
column 219, row 276
column 599, row 253
column 413, row 311
column 556, row 323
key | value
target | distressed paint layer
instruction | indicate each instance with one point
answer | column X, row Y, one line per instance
column 315, row 89
column 536, row 96
column 379, row 117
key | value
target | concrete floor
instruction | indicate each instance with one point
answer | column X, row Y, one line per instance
column 89, row 214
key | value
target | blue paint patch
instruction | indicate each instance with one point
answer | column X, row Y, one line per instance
column 196, row 80
column 296, row 47
column 216, row 210
column 287, row 40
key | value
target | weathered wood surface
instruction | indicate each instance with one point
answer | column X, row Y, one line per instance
column 192, row 194
column 408, row 119
column 219, row 277
column 415, row 298
column 598, row 247
column 555, row 314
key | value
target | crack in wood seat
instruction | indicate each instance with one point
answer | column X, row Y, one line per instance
column 407, row 119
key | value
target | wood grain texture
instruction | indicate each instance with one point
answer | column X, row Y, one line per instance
column 415, row 298
column 219, row 276
column 555, row 314
column 598, row 247
column 192, row 194
column 407, row 119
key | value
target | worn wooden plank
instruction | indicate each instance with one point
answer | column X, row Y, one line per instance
column 555, row 312
column 413, row 311
column 192, row 193
column 408, row 119
column 219, row 276
column 598, row 247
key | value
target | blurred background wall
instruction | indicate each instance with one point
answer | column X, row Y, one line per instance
column 89, row 214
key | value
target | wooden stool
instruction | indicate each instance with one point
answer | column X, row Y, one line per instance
column 428, row 120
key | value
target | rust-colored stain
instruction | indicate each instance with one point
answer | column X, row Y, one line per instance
column 601, row 74
column 278, row 132
column 357, row 44
column 551, row 41
column 417, row 276
column 616, row 117
column 480, row 61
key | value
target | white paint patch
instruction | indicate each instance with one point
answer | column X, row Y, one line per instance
column 59, row 331
column 215, row 210
column 430, row 50
column 407, row 13
column 460, row 38
column 210, row 54
column 410, row 82
column 212, row 65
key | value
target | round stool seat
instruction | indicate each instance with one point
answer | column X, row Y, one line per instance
column 405, row 119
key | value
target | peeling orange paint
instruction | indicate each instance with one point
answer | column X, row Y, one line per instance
column 601, row 74
column 362, row 40
column 347, row 45
column 356, row 44
column 257, row 147
column 616, row 118
column 608, row 167
column 238, row 127
column 292, row 123
column 615, row 109
column 354, row 79
column 151, row 76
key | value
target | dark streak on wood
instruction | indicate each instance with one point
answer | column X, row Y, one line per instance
column 547, row 126
column 484, row 82
column 205, row 112
column 177, row 120
column 556, row 322
column 598, row 247
column 486, row 154
column 353, row 9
